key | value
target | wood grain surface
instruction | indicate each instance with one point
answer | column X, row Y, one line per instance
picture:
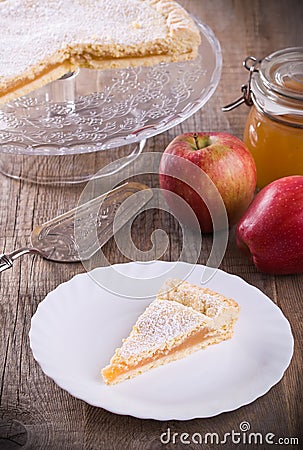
column 34, row 412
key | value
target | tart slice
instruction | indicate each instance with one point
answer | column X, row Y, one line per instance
column 169, row 330
column 166, row 331
column 43, row 40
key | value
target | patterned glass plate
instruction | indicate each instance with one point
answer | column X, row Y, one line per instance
column 93, row 110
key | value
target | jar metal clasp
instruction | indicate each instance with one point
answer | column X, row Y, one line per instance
column 251, row 64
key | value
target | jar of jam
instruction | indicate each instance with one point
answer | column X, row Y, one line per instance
column 274, row 127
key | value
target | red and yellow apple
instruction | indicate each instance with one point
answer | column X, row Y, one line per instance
column 271, row 230
column 227, row 163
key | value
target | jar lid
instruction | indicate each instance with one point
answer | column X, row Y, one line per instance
column 277, row 85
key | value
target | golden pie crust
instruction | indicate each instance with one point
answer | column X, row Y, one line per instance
column 43, row 40
column 183, row 319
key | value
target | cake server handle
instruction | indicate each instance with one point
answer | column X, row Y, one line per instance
column 7, row 260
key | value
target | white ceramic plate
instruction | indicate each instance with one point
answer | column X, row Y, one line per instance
column 76, row 329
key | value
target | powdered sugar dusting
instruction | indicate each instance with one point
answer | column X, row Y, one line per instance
column 32, row 31
column 161, row 323
column 201, row 299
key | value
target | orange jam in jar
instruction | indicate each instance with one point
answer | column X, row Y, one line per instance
column 274, row 127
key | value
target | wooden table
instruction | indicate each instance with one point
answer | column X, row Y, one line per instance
column 34, row 412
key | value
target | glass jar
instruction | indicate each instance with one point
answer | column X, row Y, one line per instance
column 274, row 127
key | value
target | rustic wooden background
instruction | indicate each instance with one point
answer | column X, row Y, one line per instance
column 37, row 414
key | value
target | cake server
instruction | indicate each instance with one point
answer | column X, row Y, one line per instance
column 89, row 225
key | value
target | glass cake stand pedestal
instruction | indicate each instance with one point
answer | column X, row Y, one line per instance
column 65, row 132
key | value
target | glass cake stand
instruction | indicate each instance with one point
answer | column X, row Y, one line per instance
column 68, row 130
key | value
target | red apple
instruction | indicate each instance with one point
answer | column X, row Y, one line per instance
column 272, row 227
column 226, row 161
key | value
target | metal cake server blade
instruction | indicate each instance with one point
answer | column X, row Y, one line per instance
column 94, row 221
